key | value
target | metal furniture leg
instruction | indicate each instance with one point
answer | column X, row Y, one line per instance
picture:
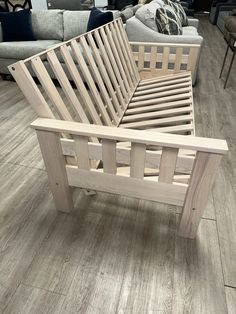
column 226, row 53
column 231, row 63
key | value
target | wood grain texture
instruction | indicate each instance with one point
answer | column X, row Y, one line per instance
column 198, row 279
column 147, row 285
column 28, row 300
column 231, row 299
column 26, row 214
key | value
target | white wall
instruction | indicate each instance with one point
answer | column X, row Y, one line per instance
column 39, row 4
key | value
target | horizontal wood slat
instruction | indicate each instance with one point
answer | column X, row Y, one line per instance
column 143, row 189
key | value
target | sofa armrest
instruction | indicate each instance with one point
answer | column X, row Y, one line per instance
column 138, row 32
column 227, row 7
column 193, row 22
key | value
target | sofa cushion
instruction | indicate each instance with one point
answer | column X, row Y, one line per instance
column 17, row 26
column 179, row 11
column 168, row 21
column 189, row 31
column 98, row 18
column 75, row 23
column 24, row 49
column 48, row 24
column 147, row 14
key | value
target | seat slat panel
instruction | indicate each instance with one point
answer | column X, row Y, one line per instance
column 156, row 122
column 156, row 114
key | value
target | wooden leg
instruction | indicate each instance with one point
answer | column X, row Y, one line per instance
column 202, row 179
column 56, row 169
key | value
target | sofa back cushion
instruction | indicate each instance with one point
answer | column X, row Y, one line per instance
column 48, row 24
column 75, row 23
column 147, row 14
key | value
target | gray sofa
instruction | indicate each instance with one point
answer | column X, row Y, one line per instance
column 51, row 27
column 223, row 14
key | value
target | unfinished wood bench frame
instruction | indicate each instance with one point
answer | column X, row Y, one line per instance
column 99, row 86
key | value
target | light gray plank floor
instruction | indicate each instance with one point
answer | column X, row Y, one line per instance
column 115, row 254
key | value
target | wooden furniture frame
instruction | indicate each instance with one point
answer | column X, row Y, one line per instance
column 102, row 99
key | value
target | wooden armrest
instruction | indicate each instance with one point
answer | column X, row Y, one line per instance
column 135, row 136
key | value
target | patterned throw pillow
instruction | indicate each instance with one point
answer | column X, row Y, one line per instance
column 168, row 21
column 175, row 4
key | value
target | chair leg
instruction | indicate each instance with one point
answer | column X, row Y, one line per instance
column 230, row 67
column 226, row 53
column 56, row 169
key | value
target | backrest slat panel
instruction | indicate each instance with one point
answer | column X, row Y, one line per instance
column 98, row 78
column 89, row 79
column 110, row 68
column 105, row 75
column 31, row 90
column 114, row 64
column 127, row 46
column 114, row 49
column 123, row 55
column 73, row 70
column 50, row 89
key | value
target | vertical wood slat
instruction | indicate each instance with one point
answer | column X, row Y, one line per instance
column 120, row 45
column 165, row 59
column 109, row 156
column 104, row 73
column 127, row 53
column 141, row 57
column 103, row 52
column 201, row 181
column 55, row 164
column 137, row 160
column 167, row 164
column 50, row 89
column 115, row 50
column 178, row 58
column 89, row 80
column 98, row 78
column 80, row 86
column 82, row 152
column 63, row 80
column 30, row 90
column 123, row 58
column 128, row 48
column 114, row 63
column 153, row 57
